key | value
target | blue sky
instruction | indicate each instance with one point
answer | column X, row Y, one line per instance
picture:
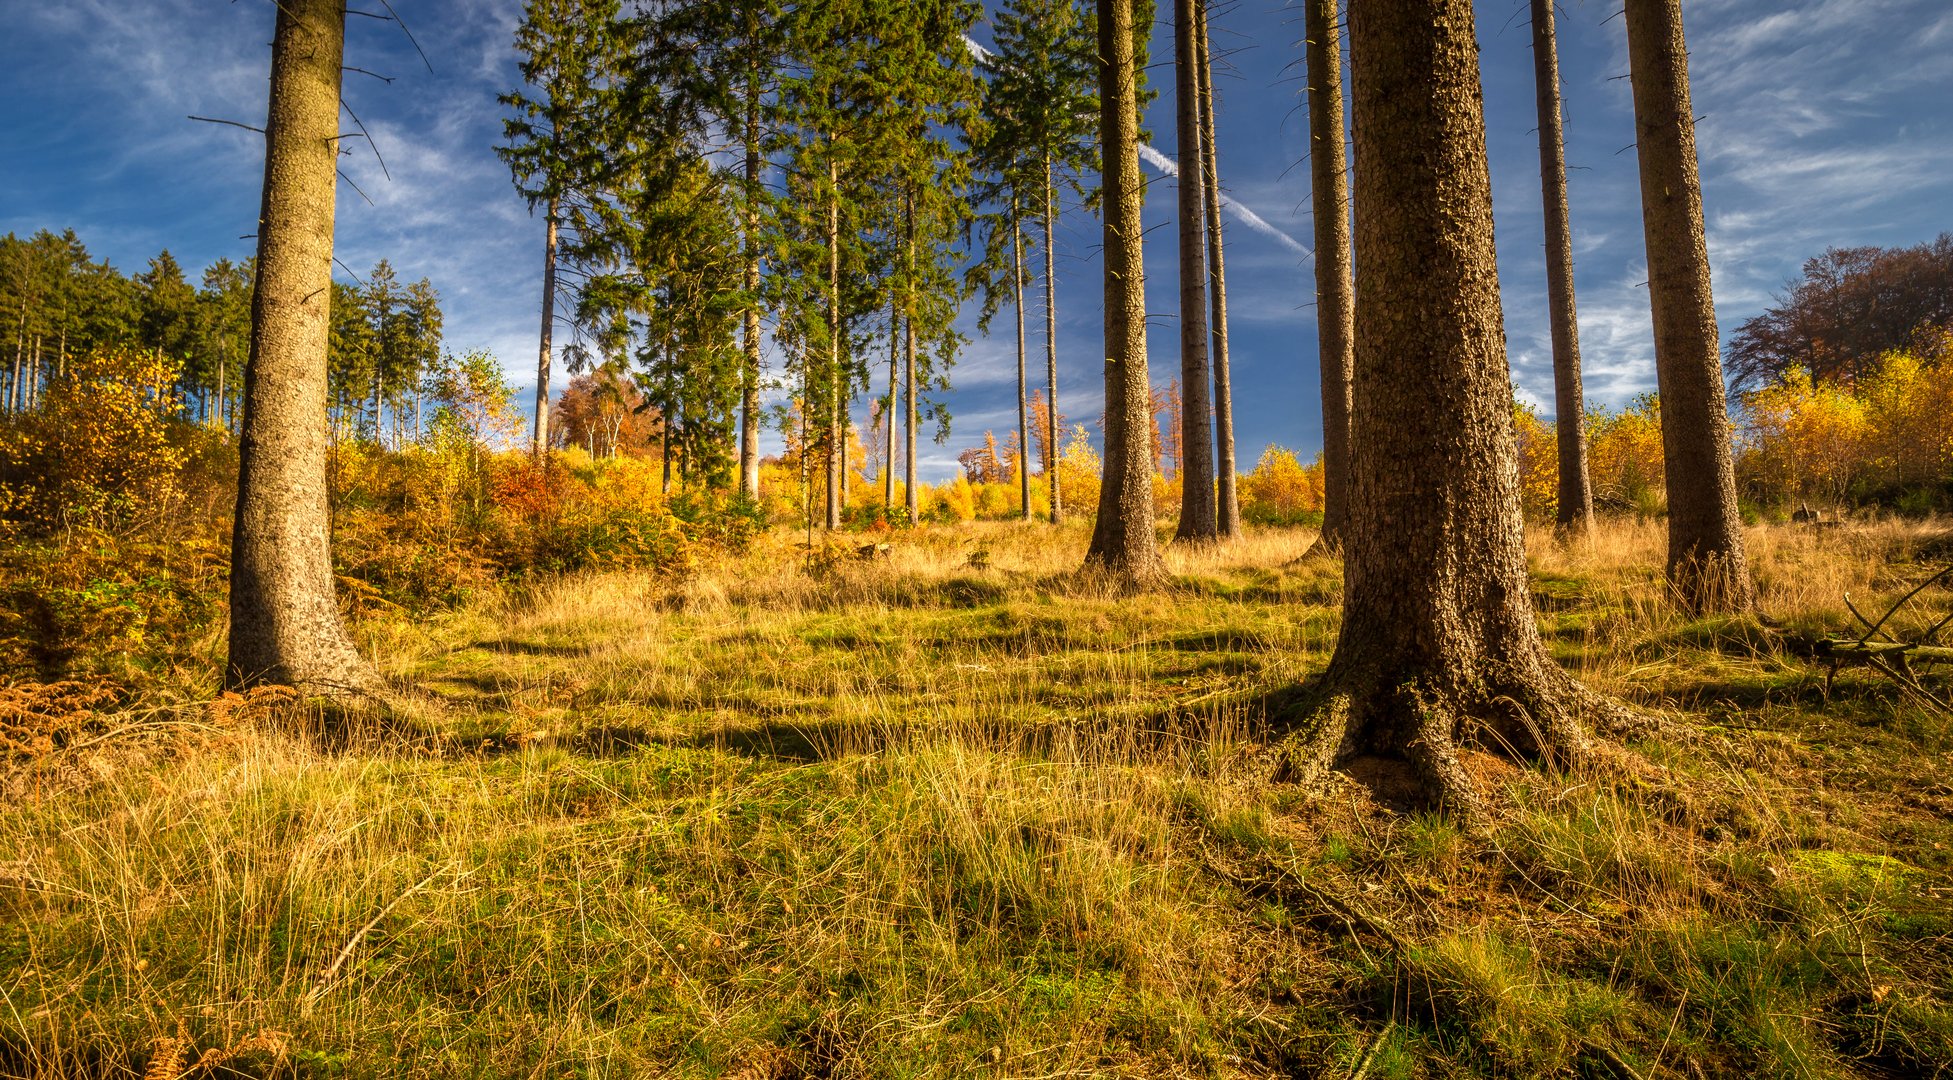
column 1821, row 122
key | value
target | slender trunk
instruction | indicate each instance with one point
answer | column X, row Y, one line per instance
column 888, row 406
column 835, row 466
column 33, row 393
column 1123, row 543
column 539, row 438
column 1335, row 291
column 379, row 368
column 1576, row 497
column 749, row 414
column 1227, row 498
column 1051, row 345
column 1438, row 634
column 223, row 365
column 1706, row 564
column 910, row 496
column 1194, row 458
column 285, row 624
column 1023, row 402
column 20, row 358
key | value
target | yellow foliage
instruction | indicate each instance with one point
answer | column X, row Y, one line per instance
column 1280, row 489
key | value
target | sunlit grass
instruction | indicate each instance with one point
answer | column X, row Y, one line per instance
column 809, row 814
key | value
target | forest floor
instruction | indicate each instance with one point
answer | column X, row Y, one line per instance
column 960, row 812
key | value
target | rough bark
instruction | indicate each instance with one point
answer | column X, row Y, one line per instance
column 1576, row 494
column 1051, row 343
column 1123, row 544
column 1438, row 636
column 1227, row 499
column 1335, row 291
column 285, row 624
column 1706, row 564
column 539, row 438
column 1198, row 518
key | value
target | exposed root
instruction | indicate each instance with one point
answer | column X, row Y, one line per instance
column 1426, row 721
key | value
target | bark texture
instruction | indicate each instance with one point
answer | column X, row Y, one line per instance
column 1576, row 493
column 1123, row 543
column 1227, row 497
column 1195, row 460
column 1438, row 636
column 285, row 625
column 1335, row 291
column 1706, row 564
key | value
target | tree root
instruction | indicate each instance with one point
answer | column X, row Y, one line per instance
column 1541, row 716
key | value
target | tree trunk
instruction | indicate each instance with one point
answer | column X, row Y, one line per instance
column 1023, row 386
column 835, row 465
column 1051, row 343
column 1227, row 499
column 539, row 439
column 910, row 495
column 1438, row 627
column 888, row 407
column 285, row 624
column 1335, row 292
column 1576, row 495
column 1194, row 457
column 1123, row 544
column 1706, row 564
column 749, row 407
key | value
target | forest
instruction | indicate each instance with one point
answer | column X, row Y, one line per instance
column 369, row 709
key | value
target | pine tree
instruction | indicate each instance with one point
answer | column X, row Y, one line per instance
column 285, row 624
column 1227, row 496
column 1438, row 628
column 1199, row 522
column 1043, row 102
column 1123, row 544
column 1576, row 495
column 1706, row 563
column 1335, row 291
column 571, row 55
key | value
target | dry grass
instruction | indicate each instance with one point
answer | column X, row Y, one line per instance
column 960, row 811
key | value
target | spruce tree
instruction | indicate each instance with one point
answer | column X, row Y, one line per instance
column 1123, row 544
column 1576, row 496
column 1227, row 494
column 571, row 54
column 1335, row 289
column 1198, row 513
column 285, row 624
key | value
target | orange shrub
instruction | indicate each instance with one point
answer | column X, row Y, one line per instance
column 1280, row 490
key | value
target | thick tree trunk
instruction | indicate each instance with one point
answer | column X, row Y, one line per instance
column 1227, row 496
column 1335, row 291
column 1576, row 495
column 539, row 438
column 1438, row 629
column 1023, row 385
column 1051, row 344
column 1123, row 543
column 285, row 624
column 1195, row 455
column 749, row 372
column 1706, row 564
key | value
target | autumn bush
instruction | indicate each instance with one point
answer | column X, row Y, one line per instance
column 1280, row 490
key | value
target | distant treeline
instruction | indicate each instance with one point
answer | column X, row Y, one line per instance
column 59, row 303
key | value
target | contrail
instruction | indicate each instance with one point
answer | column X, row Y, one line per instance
column 1169, row 167
column 1246, row 216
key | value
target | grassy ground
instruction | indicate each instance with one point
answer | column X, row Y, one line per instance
column 959, row 812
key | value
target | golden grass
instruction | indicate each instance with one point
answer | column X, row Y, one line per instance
column 935, row 816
